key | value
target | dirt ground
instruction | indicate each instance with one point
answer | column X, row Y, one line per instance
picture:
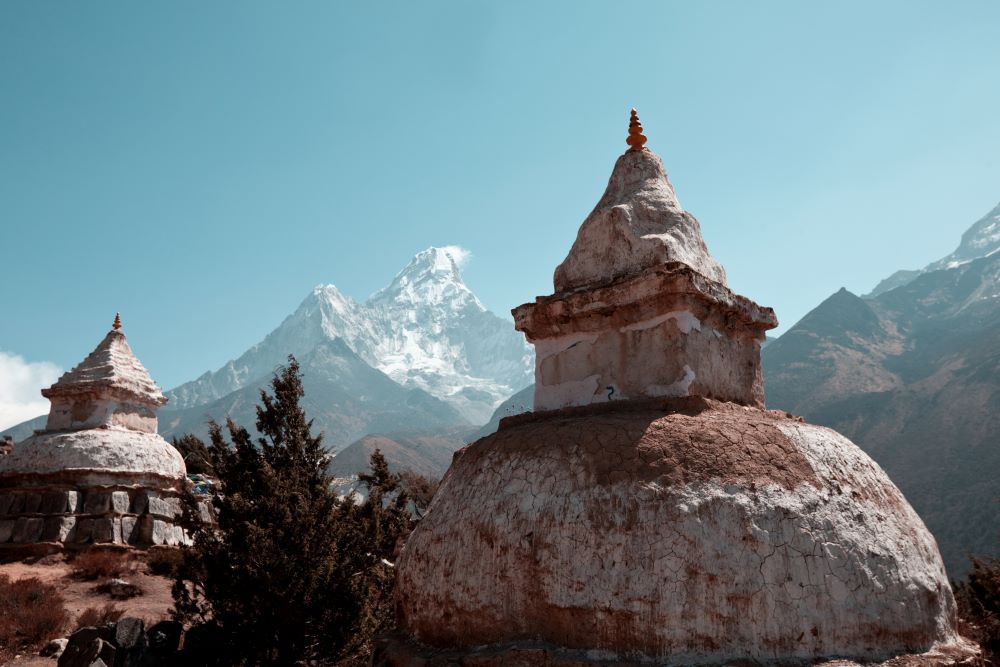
column 152, row 606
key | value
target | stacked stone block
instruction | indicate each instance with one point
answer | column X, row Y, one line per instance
column 80, row 518
column 98, row 473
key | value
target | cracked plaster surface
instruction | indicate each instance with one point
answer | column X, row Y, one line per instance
column 666, row 331
column 689, row 531
column 116, row 450
column 638, row 223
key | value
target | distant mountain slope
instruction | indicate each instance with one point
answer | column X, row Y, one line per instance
column 912, row 375
column 344, row 396
column 982, row 239
column 520, row 402
column 838, row 348
column 426, row 454
column 21, row 431
column 426, row 330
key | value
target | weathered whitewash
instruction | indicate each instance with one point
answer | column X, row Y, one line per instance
column 651, row 510
column 98, row 473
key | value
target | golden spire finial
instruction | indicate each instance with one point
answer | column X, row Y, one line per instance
column 118, row 322
column 636, row 138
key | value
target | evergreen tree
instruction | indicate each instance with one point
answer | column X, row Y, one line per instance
column 195, row 454
column 978, row 600
column 291, row 571
column 420, row 489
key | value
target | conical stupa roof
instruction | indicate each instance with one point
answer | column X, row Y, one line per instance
column 111, row 367
column 637, row 224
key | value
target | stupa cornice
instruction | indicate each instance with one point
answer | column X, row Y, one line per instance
column 638, row 298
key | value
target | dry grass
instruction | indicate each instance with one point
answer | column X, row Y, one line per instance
column 95, row 616
column 164, row 562
column 31, row 613
column 90, row 565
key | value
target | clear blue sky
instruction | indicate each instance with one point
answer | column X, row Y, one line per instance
column 199, row 166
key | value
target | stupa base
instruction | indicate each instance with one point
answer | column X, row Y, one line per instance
column 74, row 517
column 398, row 650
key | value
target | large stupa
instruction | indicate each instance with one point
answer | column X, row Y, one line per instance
column 98, row 473
column 651, row 510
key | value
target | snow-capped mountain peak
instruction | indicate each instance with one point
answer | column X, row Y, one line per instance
column 433, row 277
column 425, row 330
column 980, row 240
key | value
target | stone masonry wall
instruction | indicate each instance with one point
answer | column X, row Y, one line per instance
column 77, row 518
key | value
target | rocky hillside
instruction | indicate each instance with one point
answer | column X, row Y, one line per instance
column 982, row 239
column 344, row 396
column 912, row 374
column 428, row 454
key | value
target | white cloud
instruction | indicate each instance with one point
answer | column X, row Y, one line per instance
column 458, row 254
column 20, row 382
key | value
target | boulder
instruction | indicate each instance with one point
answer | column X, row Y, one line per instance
column 107, row 654
column 54, row 648
column 130, row 640
column 119, row 589
column 164, row 637
column 83, row 649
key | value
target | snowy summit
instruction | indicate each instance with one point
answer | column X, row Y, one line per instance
column 426, row 329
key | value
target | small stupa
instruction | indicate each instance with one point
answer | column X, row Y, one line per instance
column 98, row 473
column 651, row 510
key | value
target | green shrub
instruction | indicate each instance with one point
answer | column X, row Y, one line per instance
column 291, row 572
column 195, row 454
column 164, row 562
column 978, row 600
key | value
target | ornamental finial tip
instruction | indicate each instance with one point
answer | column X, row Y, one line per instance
column 118, row 322
column 636, row 139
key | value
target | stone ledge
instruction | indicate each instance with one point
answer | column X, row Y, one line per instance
column 665, row 332
column 90, row 478
column 636, row 298
column 89, row 501
column 687, row 405
column 86, row 516
column 397, row 650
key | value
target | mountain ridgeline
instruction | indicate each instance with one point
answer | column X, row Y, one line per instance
column 911, row 373
column 421, row 354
